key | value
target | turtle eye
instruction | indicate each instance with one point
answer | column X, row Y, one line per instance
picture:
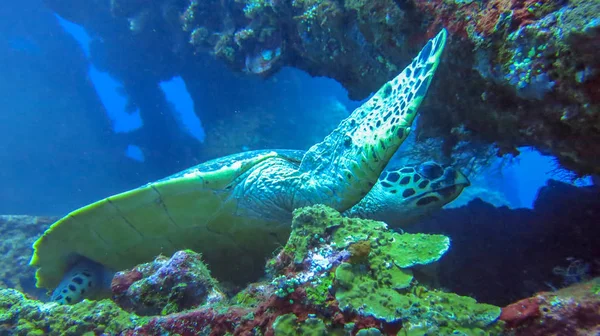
column 431, row 170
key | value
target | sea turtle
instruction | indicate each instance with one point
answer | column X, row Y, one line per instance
column 237, row 210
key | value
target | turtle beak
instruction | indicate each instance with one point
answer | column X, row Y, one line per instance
column 455, row 181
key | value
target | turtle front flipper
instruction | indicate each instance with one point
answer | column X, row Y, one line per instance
column 343, row 168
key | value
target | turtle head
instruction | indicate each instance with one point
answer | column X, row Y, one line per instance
column 404, row 195
column 424, row 186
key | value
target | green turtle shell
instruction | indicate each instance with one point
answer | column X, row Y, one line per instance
column 189, row 210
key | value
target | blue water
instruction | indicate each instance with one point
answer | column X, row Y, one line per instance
column 518, row 184
column 183, row 107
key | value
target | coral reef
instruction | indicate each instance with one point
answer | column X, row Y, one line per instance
column 573, row 311
column 313, row 287
column 19, row 233
column 166, row 286
column 288, row 325
column 368, row 270
column 22, row 316
column 518, row 72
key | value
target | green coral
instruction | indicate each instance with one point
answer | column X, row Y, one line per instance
column 245, row 298
column 31, row 317
column 374, row 294
column 285, row 286
column 308, row 227
column 383, row 286
column 318, row 292
column 423, row 312
column 443, row 313
column 408, row 250
column 390, row 256
column 288, row 325
column 319, row 224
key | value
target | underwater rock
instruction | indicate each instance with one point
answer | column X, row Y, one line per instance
column 528, row 73
column 574, row 310
column 527, row 70
column 372, row 287
column 166, row 286
column 22, row 316
column 19, row 233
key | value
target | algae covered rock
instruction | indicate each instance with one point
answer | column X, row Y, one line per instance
column 166, row 285
column 439, row 313
column 528, row 71
column 367, row 269
column 374, row 287
column 288, row 325
column 358, row 290
column 22, row 316
column 366, row 251
column 321, row 225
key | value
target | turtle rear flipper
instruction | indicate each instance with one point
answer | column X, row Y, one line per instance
column 343, row 168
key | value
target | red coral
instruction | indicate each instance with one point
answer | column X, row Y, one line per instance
column 571, row 311
column 522, row 12
column 123, row 280
column 245, row 321
column 452, row 16
column 521, row 311
column 457, row 18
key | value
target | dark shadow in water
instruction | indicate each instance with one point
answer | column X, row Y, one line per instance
column 499, row 255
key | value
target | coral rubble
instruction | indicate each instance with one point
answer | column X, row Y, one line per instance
column 334, row 276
